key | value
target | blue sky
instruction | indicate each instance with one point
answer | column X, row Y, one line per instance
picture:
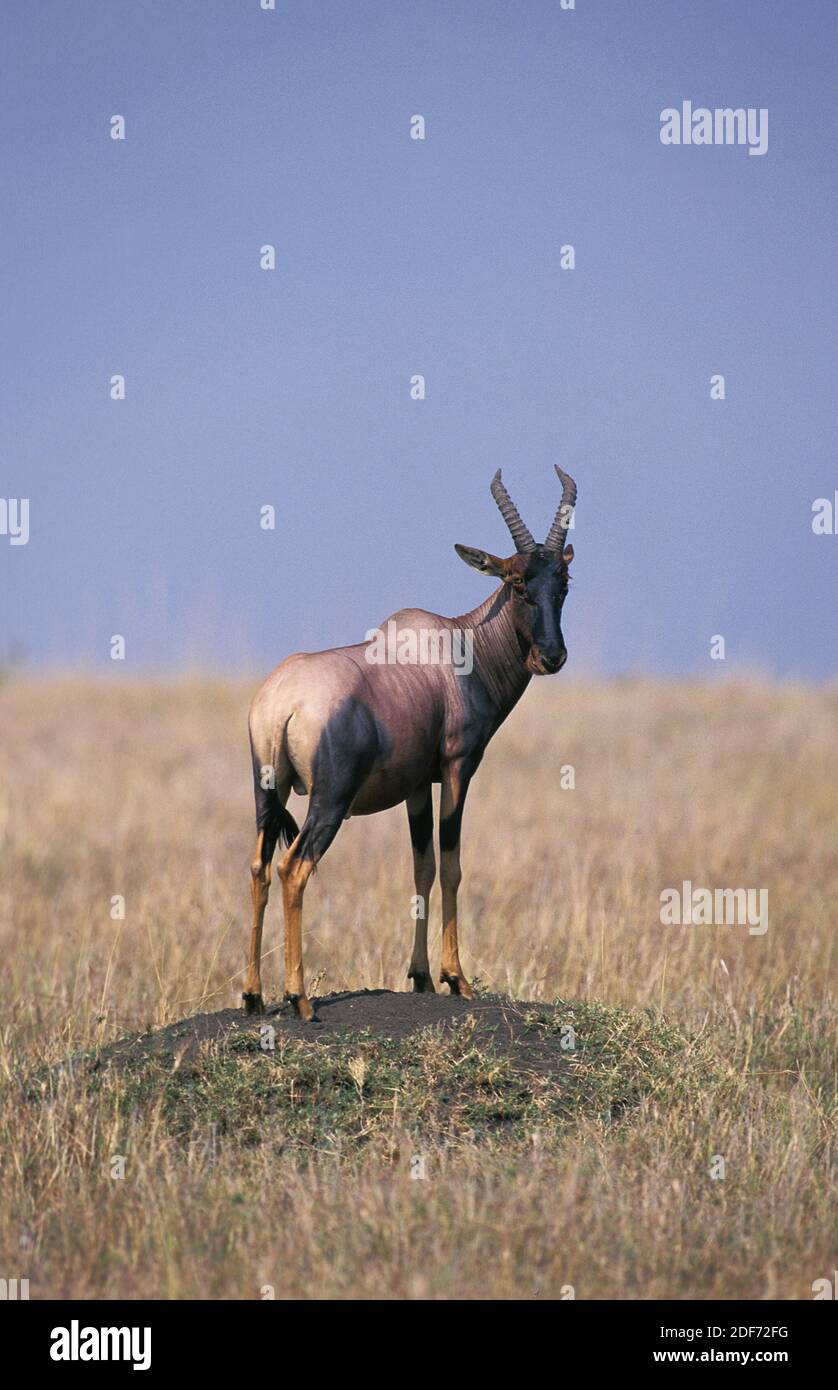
column 291, row 387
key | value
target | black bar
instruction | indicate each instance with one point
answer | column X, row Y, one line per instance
column 592, row 1337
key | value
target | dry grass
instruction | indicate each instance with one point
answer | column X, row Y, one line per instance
column 143, row 790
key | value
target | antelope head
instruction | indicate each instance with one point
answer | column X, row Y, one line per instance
column 537, row 576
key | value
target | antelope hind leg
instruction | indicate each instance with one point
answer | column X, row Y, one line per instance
column 260, row 883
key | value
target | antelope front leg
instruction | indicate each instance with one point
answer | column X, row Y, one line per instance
column 454, row 787
column 420, row 814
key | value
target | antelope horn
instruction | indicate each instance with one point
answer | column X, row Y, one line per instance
column 558, row 531
column 518, row 531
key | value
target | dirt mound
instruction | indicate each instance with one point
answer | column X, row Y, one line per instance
column 530, row 1031
column 447, row 1070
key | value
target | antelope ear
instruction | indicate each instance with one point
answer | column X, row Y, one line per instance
column 482, row 560
column 567, row 556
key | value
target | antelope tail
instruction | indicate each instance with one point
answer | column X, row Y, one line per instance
column 272, row 816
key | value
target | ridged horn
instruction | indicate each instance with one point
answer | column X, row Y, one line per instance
column 557, row 537
column 518, row 531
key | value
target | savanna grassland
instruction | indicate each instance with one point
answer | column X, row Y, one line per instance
column 292, row 1169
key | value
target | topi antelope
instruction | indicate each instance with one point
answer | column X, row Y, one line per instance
column 358, row 737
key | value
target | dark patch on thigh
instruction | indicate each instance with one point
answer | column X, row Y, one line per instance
column 422, row 825
column 351, row 742
column 449, row 829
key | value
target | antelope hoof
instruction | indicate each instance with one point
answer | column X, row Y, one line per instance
column 458, row 984
column 253, row 1004
column 302, row 1007
column 422, row 982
